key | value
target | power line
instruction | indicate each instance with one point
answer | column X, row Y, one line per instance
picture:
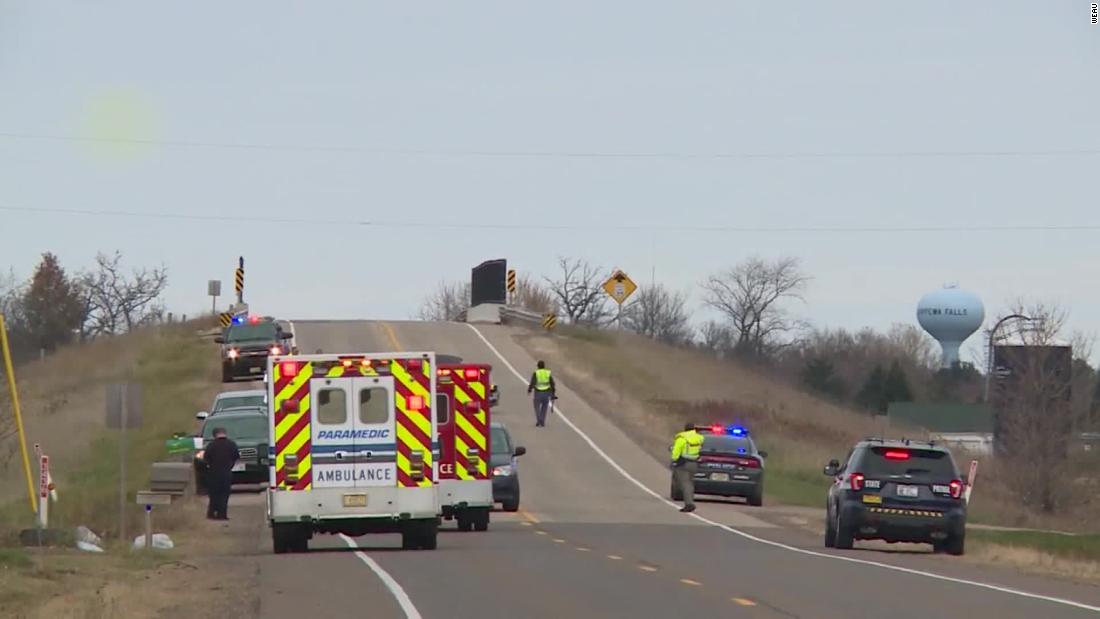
column 549, row 154
column 582, row 227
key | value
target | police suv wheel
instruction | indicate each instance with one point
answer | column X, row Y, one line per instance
column 830, row 531
column 756, row 499
column 843, row 538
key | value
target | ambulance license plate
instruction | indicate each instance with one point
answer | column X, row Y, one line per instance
column 720, row 476
column 355, row 500
column 238, row 466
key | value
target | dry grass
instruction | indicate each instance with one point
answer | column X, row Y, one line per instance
column 63, row 401
column 651, row 389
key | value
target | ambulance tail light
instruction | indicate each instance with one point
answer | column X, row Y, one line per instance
column 473, row 407
column 416, row 465
column 473, row 460
column 290, row 465
column 415, row 364
column 472, row 373
column 416, row 403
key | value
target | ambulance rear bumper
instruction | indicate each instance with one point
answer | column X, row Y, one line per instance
column 456, row 494
column 344, row 504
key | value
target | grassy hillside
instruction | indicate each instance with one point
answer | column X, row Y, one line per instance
column 63, row 400
column 651, row 389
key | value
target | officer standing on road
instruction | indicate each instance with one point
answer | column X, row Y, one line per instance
column 685, row 463
column 220, row 456
column 542, row 383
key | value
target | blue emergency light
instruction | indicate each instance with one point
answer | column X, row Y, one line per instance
column 737, row 431
column 732, row 430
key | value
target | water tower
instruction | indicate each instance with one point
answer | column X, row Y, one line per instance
column 950, row 315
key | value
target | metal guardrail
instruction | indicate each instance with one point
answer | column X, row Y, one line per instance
column 513, row 315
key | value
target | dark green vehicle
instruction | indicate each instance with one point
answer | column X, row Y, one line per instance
column 247, row 427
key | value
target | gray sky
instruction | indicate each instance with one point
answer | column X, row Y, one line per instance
column 934, row 113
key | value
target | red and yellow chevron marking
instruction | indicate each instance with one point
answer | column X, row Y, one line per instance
column 292, row 432
column 471, row 428
column 414, row 427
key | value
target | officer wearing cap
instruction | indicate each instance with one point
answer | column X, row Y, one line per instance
column 685, row 463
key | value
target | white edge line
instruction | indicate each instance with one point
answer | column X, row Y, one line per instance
column 812, row 553
column 395, row 589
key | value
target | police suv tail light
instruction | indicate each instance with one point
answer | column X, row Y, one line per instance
column 956, row 488
column 856, row 481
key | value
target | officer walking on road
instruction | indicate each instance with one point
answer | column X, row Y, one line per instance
column 685, row 463
column 220, row 456
column 542, row 383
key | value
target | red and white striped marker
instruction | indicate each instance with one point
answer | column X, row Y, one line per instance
column 970, row 479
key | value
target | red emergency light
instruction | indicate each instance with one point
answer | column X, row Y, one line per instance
column 288, row 368
column 444, row 372
column 471, row 373
column 414, row 364
column 717, row 429
column 254, row 319
column 897, row 455
column 416, row 403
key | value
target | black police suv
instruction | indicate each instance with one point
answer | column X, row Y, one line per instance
column 729, row 465
column 246, row 344
column 897, row 491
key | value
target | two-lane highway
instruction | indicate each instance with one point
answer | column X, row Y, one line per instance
column 595, row 538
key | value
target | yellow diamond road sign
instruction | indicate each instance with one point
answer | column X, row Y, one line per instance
column 619, row 287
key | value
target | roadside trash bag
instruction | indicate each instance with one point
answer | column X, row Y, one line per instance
column 88, row 536
column 87, row 547
column 160, row 541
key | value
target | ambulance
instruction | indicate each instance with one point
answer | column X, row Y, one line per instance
column 463, row 397
column 353, row 448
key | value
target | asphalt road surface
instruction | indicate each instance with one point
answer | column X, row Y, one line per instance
column 596, row 538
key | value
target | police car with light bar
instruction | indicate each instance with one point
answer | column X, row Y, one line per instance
column 729, row 465
column 246, row 344
column 897, row 491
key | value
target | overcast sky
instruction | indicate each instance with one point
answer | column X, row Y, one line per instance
column 716, row 115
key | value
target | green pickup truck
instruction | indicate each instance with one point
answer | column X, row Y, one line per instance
column 247, row 427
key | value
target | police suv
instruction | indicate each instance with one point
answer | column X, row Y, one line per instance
column 729, row 465
column 354, row 448
column 897, row 491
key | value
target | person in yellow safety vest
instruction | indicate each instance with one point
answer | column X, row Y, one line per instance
column 542, row 383
column 685, row 463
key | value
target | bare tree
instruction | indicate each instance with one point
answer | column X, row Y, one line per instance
column 115, row 302
column 716, row 337
column 749, row 296
column 534, row 296
column 913, row 344
column 579, row 292
column 1034, row 421
column 446, row 303
column 657, row 312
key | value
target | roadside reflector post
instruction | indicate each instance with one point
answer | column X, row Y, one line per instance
column 6, row 350
column 148, row 499
column 970, row 480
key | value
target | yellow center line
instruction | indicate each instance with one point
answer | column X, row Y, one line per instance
column 744, row 601
column 529, row 516
column 693, row 583
column 615, row 557
column 647, row 568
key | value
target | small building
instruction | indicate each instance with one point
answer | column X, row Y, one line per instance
column 962, row 427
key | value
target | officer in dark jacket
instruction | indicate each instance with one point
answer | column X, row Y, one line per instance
column 220, row 456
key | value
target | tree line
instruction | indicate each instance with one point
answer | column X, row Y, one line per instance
column 54, row 307
column 754, row 301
